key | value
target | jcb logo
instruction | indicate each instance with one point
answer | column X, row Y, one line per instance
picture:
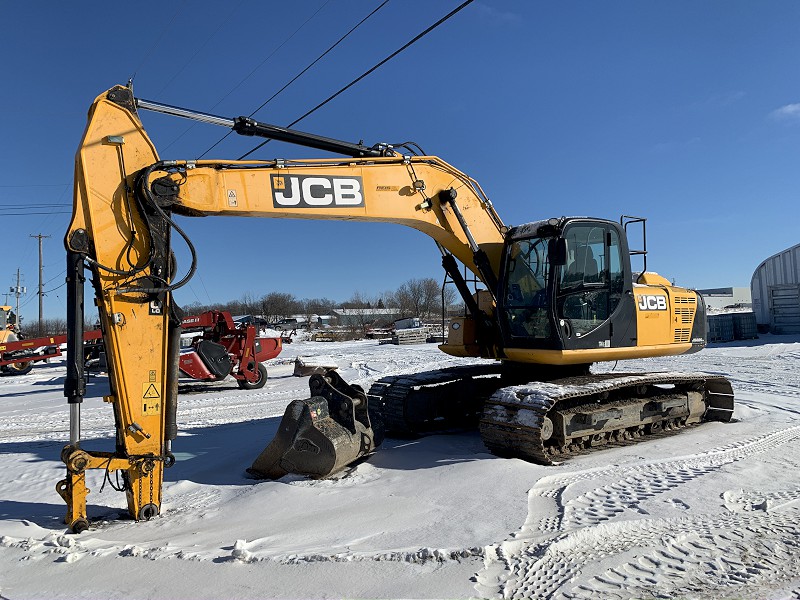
column 652, row 303
column 313, row 191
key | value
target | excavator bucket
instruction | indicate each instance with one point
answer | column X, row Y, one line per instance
column 321, row 435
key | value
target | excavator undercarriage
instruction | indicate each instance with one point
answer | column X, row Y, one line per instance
column 540, row 421
column 550, row 420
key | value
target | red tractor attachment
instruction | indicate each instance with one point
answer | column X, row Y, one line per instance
column 17, row 358
column 219, row 347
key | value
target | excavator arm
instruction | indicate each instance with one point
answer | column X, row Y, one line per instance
column 121, row 228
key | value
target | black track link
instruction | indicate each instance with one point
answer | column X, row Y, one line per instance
column 512, row 419
column 434, row 401
column 512, row 416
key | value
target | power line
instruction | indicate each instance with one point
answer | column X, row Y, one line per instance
column 4, row 206
column 55, row 288
column 223, row 23
column 301, row 73
column 282, row 44
column 56, row 277
column 44, row 293
column 51, row 216
column 321, row 56
column 30, row 185
column 249, row 75
column 366, row 73
column 158, row 40
column 25, row 214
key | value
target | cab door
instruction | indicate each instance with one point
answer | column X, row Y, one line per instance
column 594, row 301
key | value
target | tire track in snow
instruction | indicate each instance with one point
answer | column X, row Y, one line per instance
column 639, row 483
column 606, row 528
column 699, row 557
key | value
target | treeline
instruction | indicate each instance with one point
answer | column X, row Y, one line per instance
column 414, row 298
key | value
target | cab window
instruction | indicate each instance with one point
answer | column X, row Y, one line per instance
column 526, row 298
column 591, row 283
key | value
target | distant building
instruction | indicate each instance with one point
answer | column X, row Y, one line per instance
column 776, row 292
column 729, row 297
column 349, row 317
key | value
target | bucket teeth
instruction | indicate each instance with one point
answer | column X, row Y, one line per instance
column 321, row 435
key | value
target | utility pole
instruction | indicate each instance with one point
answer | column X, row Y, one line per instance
column 18, row 291
column 41, row 285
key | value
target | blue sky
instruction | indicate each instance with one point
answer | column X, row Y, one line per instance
column 687, row 113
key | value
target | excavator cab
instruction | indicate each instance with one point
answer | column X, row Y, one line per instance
column 567, row 285
column 568, row 297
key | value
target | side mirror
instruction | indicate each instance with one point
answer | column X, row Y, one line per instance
column 557, row 252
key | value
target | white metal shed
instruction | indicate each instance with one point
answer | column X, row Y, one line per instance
column 776, row 292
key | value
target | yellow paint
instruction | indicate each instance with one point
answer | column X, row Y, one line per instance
column 578, row 357
column 652, row 326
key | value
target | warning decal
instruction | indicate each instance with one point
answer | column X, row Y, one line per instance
column 151, row 407
column 151, row 398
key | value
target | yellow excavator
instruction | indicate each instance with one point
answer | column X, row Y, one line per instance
column 7, row 320
column 8, row 335
column 554, row 296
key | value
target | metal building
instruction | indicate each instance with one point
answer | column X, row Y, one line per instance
column 776, row 292
column 730, row 297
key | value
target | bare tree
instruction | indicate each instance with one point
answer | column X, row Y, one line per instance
column 314, row 307
column 450, row 297
column 362, row 316
column 250, row 305
column 407, row 299
column 194, row 308
column 278, row 305
column 422, row 298
column 412, row 298
column 50, row 327
column 431, row 297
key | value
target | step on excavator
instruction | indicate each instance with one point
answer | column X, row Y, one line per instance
column 553, row 297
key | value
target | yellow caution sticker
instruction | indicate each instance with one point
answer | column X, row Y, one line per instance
column 151, row 399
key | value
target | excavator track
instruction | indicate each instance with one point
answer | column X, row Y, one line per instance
column 543, row 422
column 546, row 421
column 434, row 401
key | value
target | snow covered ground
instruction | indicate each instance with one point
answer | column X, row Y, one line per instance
column 713, row 512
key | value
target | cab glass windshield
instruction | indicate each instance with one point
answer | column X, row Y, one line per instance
column 525, row 294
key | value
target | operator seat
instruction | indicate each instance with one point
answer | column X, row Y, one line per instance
column 583, row 267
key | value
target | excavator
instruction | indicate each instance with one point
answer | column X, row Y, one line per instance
column 543, row 302
column 10, row 355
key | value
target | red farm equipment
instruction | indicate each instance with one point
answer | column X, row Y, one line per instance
column 218, row 347
column 17, row 357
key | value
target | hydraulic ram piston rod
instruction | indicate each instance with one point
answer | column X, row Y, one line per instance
column 248, row 126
